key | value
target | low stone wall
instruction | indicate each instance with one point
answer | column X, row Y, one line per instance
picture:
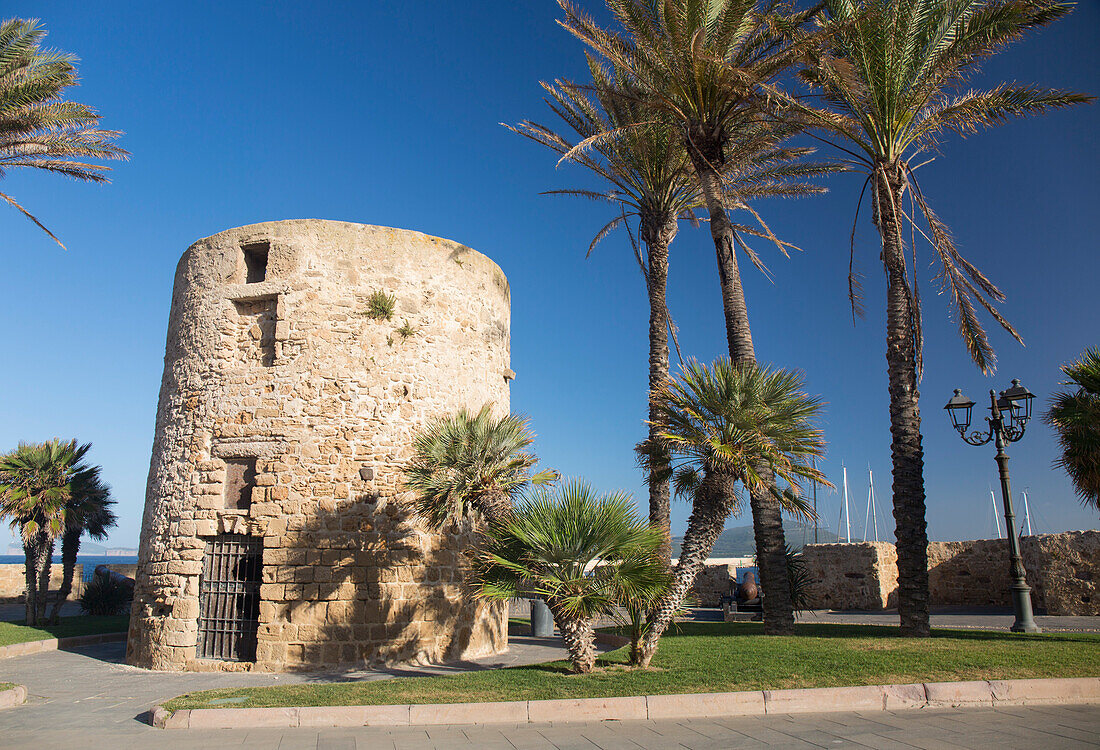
column 1062, row 570
column 852, row 576
column 127, row 569
column 13, row 580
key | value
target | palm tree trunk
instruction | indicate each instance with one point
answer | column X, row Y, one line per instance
column 905, row 447
column 580, row 639
column 658, row 237
column 709, row 512
column 767, row 516
column 31, row 575
column 494, row 505
column 44, row 563
column 70, row 546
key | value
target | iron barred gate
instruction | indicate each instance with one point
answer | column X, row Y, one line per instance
column 229, row 598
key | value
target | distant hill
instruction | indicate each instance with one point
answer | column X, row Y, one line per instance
column 739, row 541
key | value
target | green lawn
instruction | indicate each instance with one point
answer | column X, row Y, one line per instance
column 719, row 657
column 13, row 632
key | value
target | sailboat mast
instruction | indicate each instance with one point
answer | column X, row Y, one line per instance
column 847, row 515
column 996, row 520
column 814, row 460
column 867, row 513
column 874, row 511
column 1027, row 514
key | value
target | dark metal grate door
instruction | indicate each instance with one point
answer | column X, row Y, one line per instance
column 229, row 598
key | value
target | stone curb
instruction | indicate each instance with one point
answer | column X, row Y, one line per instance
column 13, row 696
column 1080, row 690
column 55, row 644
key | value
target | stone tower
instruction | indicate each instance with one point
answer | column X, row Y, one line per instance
column 276, row 534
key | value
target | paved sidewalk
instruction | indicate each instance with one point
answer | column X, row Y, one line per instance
column 982, row 618
column 11, row 611
column 88, row 699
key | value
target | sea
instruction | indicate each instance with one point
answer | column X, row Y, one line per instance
column 88, row 561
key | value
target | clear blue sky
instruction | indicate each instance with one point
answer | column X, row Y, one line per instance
column 387, row 113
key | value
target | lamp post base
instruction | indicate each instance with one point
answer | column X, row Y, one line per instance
column 1021, row 605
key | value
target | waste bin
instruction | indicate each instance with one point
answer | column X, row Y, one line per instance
column 542, row 622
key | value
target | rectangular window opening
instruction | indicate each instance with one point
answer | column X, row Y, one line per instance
column 255, row 261
column 229, row 598
column 240, row 479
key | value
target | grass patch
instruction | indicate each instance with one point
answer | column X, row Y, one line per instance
column 14, row 632
column 6, row 686
column 719, row 657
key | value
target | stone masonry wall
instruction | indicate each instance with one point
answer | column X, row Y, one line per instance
column 13, row 580
column 852, row 576
column 1062, row 571
column 290, row 372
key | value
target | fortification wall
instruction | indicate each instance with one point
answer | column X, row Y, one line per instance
column 1062, row 571
column 13, row 580
column 278, row 381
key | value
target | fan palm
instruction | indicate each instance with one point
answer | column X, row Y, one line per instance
column 728, row 425
column 700, row 64
column 39, row 130
column 582, row 552
column 1075, row 416
column 35, row 487
column 891, row 71
column 471, row 462
column 650, row 178
column 87, row 511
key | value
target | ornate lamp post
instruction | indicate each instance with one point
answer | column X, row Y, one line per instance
column 1015, row 403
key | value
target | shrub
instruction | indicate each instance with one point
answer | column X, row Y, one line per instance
column 104, row 595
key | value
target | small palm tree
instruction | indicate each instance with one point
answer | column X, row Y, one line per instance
column 701, row 66
column 1075, row 416
column 726, row 426
column 582, row 552
column 87, row 511
column 35, row 488
column 892, row 73
column 471, row 462
column 40, row 130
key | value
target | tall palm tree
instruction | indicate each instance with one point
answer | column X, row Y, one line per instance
column 38, row 129
column 88, row 510
column 471, row 462
column 35, row 487
column 892, row 73
column 1075, row 416
column 700, row 64
column 650, row 178
column 728, row 425
column 584, row 553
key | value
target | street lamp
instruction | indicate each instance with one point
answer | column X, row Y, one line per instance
column 1015, row 404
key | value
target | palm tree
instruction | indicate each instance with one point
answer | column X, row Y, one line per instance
column 892, row 72
column 471, row 462
column 582, row 552
column 35, row 487
column 725, row 425
column 87, row 511
column 1075, row 416
column 700, row 64
column 650, row 178
column 38, row 129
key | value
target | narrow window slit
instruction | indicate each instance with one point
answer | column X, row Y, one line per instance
column 255, row 261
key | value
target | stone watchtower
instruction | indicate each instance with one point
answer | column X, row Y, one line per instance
column 275, row 532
